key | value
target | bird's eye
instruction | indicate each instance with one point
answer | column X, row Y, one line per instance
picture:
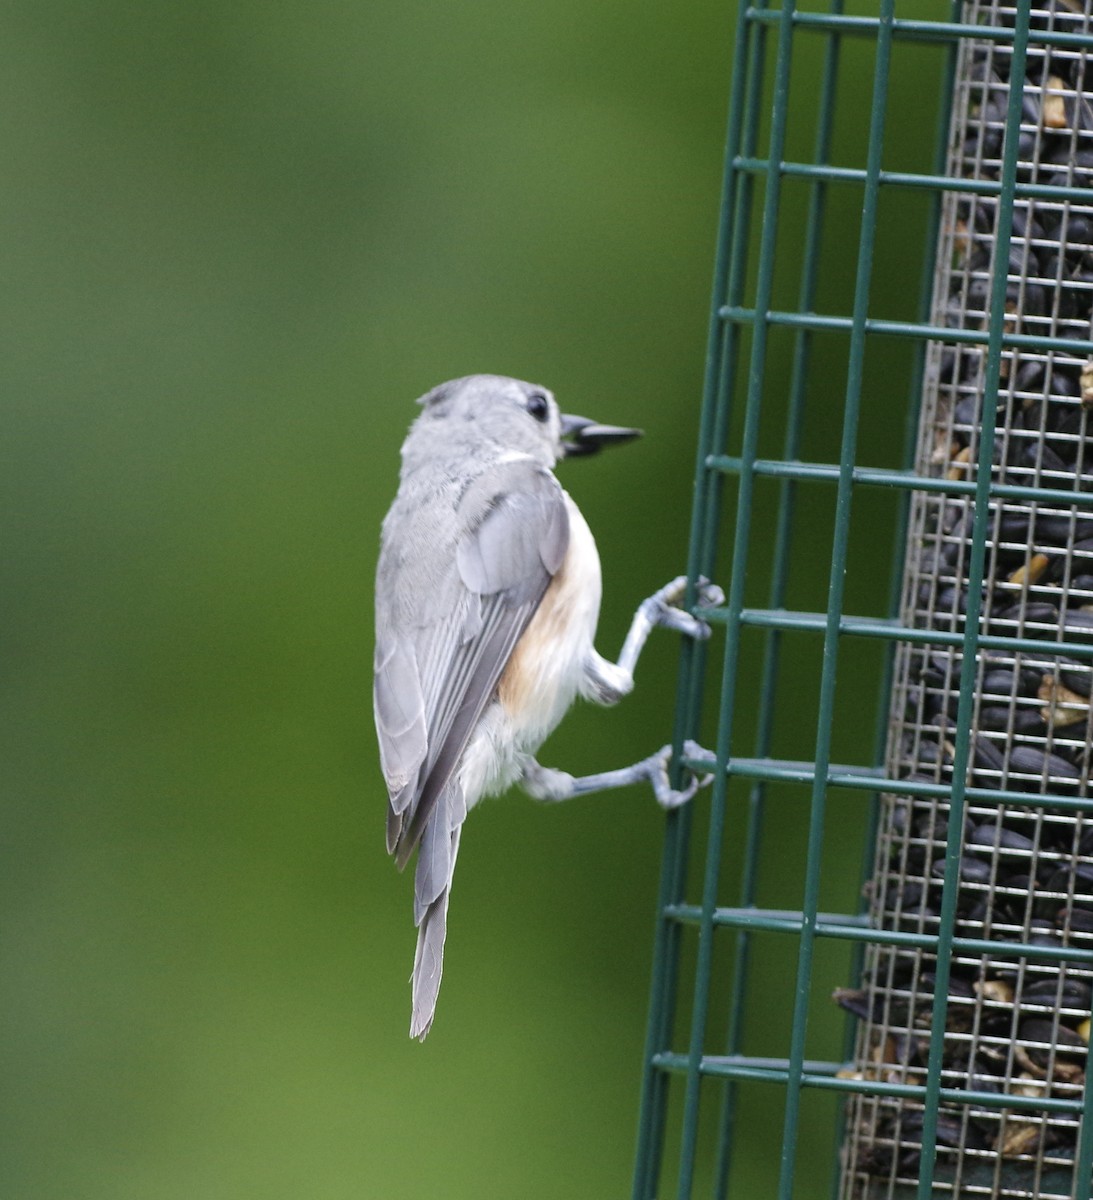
column 538, row 407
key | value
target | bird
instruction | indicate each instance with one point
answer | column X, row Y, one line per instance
column 487, row 597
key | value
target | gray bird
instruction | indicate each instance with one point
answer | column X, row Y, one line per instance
column 487, row 598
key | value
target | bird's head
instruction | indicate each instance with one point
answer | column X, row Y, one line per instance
column 509, row 416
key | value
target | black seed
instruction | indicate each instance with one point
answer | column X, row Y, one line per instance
column 1067, row 992
column 1043, row 456
column 1002, row 718
column 986, row 754
column 1062, row 528
column 1075, row 880
column 1030, row 377
column 1040, row 613
column 1031, row 761
column 1078, row 920
column 999, row 682
column 1079, row 678
column 1078, row 625
column 1064, row 1040
column 972, row 870
column 942, row 670
column 1008, row 842
column 1015, row 526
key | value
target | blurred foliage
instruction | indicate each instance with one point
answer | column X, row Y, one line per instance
column 240, row 240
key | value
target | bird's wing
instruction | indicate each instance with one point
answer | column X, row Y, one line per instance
column 439, row 654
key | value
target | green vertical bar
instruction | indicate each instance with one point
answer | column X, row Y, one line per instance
column 836, row 589
column 725, row 337
column 782, row 540
column 970, row 647
column 731, row 249
column 735, row 601
column 895, row 584
column 1083, row 1166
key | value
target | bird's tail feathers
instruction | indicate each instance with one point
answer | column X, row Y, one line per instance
column 431, row 917
column 437, row 850
column 428, row 965
column 394, row 829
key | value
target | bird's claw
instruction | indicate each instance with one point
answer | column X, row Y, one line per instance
column 657, row 764
column 665, row 610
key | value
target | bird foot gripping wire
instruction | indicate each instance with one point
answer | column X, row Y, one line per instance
column 664, row 606
column 656, row 765
column 661, row 609
column 552, row 786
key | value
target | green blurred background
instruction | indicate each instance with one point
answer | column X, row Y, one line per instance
column 239, row 241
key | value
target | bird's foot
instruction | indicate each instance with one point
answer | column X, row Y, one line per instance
column 550, row 786
column 662, row 607
column 656, row 771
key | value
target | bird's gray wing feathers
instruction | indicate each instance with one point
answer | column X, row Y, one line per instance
column 511, row 534
column 521, row 537
column 400, row 718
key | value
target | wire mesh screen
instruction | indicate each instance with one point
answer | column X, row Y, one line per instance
column 965, row 962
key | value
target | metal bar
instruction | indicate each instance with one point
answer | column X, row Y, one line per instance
column 1080, row 347
column 895, row 585
column 906, row 480
column 830, row 173
column 823, row 1075
column 1083, row 1165
column 853, row 929
column 871, row 779
column 724, row 347
column 700, row 1004
column 814, row 224
column 652, row 1114
column 774, row 920
column 895, row 592
column 971, row 641
column 883, row 627
column 836, row 591
column 905, row 27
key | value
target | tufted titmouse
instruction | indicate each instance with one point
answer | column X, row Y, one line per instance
column 487, row 597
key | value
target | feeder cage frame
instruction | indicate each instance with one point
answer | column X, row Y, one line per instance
column 969, row 957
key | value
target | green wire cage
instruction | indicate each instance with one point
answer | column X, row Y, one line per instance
column 916, row 1026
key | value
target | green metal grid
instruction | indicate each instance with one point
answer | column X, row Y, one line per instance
column 771, row 41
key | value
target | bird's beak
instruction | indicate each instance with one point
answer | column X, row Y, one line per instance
column 581, row 436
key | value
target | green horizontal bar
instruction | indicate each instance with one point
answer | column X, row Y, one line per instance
column 781, row 770
column 891, row 630
column 773, row 921
column 872, row 779
column 909, row 29
column 853, row 929
column 907, row 480
column 828, row 173
column 767, row 920
column 908, row 329
column 822, row 1075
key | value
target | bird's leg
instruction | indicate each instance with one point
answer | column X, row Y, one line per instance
column 607, row 682
column 550, row 786
column 662, row 608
